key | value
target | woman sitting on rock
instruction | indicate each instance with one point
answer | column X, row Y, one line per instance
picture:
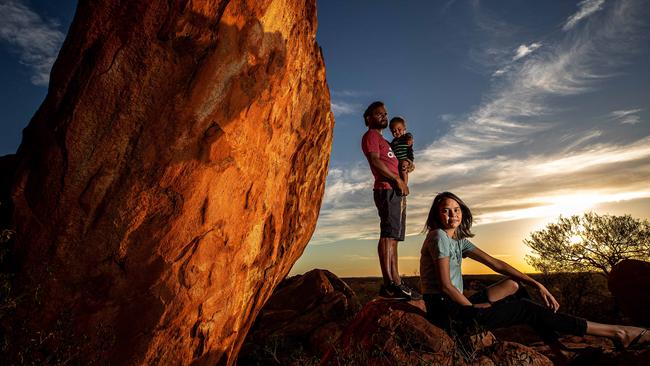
column 501, row 305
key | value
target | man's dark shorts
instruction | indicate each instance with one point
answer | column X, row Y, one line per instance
column 392, row 213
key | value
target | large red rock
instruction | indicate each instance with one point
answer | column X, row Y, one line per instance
column 629, row 281
column 170, row 179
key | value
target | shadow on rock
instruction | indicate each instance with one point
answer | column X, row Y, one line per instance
column 301, row 320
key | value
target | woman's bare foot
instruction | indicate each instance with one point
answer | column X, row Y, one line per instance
column 632, row 337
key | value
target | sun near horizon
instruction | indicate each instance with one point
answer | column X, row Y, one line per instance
column 358, row 258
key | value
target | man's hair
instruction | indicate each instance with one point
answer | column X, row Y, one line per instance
column 371, row 108
column 433, row 220
column 397, row 119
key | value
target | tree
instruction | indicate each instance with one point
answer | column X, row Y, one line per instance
column 588, row 243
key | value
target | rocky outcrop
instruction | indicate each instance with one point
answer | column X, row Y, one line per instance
column 298, row 325
column 305, row 312
column 389, row 332
column 169, row 180
column 628, row 282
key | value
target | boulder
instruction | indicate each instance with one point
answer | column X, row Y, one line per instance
column 169, row 181
column 628, row 282
column 307, row 312
column 391, row 332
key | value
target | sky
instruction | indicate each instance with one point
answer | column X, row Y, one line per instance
column 527, row 110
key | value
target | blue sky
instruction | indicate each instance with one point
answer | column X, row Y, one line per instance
column 526, row 109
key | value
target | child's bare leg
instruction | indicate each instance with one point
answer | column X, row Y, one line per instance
column 404, row 171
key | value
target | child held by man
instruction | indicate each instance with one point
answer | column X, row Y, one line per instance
column 402, row 146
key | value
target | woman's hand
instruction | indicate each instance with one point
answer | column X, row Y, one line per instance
column 482, row 305
column 549, row 300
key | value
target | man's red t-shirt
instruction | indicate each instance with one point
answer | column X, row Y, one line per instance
column 375, row 142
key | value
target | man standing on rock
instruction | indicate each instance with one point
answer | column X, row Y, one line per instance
column 389, row 192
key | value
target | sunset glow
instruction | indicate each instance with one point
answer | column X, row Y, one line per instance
column 512, row 108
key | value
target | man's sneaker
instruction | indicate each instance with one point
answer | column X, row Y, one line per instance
column 392, row 292
column 411, row 293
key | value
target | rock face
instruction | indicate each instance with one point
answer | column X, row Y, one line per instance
column 629, row 282
column 305, row 312
column 170, row 179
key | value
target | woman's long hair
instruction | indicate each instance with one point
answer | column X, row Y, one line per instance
column 433, row 220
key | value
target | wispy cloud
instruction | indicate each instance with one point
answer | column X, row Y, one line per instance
column 586, row 8
column 501, row 71
column 35, row 40
column 525, row 50
column 573, row 141
column 519, row 53
column 347, row 102
column 341, row 108
column 627, row 117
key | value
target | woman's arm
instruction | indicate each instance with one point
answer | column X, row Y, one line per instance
column 445, row 283
column 504, row 268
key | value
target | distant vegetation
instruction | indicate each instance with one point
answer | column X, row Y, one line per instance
column 588, row 243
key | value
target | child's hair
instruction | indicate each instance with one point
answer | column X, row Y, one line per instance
column 433, row 220
column 397, row 119
column 371, row 108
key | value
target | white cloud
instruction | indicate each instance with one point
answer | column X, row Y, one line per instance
column 341, row 108
column 586, row 8
column 501, row 71
column 341, row 184
column 36, row 40
column 525, row 50
column 627, row 117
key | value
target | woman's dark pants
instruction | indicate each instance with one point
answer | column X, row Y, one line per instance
column 513, row 310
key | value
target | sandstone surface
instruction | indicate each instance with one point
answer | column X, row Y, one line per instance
column 170, row 179
column 629, row 281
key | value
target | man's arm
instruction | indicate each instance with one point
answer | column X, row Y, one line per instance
column 376, row 162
